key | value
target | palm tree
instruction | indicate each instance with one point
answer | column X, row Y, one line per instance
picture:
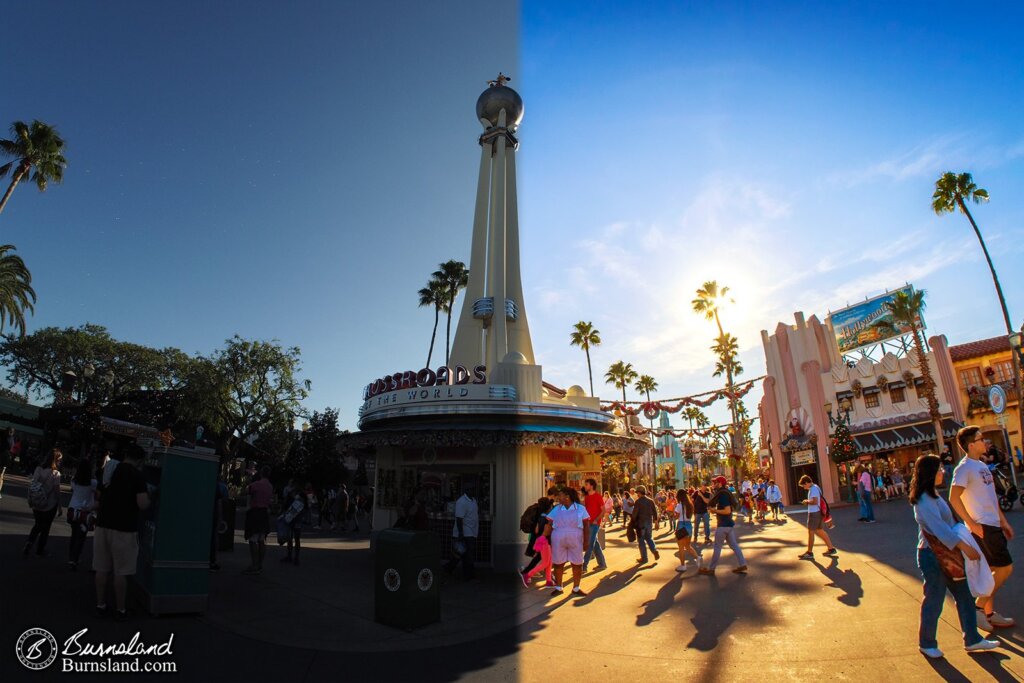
column 645, row 384
column 434, row 294
column 621, row 375
column 727, row 349
column 584, row 335
column 906, row 310
column 455, row 277
column 36, row 147
column 709, row 300
column 953, row 191
column 16, row 293
column 690, row 414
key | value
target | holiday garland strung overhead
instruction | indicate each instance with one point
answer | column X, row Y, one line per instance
column 717, row 430
column 651, row 409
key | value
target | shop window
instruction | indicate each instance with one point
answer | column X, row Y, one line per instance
column 1003, row 370
column 898, row 395
column 871, row 400
column 970, row 377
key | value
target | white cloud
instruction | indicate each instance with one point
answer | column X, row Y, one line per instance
column 922, row 160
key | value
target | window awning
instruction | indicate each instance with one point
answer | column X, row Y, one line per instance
column 901, row 437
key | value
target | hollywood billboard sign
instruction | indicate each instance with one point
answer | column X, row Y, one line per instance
column 859, row 325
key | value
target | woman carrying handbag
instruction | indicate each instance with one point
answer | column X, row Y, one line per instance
column 940, row 557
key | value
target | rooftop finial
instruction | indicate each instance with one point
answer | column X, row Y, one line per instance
column 501, row 80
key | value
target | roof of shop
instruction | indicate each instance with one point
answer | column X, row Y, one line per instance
column 902, row 436
column 982, row 347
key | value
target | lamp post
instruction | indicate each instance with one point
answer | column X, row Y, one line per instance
column 1015, row 356
column 841, row 416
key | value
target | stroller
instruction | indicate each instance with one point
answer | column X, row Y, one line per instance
column 1006, row 490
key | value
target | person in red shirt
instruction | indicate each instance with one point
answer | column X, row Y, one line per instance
column 594, row 502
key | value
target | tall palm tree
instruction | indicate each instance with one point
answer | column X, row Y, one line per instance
column 906, row 310
column 16, row 293
column 727, row 350
column 584, row 335
column 690, row 414
column 36, row 146
column 952, row 192
column 455, row 276
column 710, row 298
column 645, row 384
column 621, row 375
column 434, row 294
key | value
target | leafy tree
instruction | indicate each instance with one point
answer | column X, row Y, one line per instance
column 434, row 294
column 38, row 362
column 620, row 375
column 645, row 384
column 16, row 293
column 249, row 386
column 36, row 146
column 585, row 336
column 455, row 277
column 952, row 192
column 317, row 460
column 906, row 310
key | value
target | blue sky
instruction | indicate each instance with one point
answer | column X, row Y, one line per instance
column 296, row 174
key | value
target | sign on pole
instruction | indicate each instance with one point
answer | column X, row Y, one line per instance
column 997, row 398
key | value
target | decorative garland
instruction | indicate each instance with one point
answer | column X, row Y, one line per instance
column 717, row 430
column 651, row 409
column 489, row 439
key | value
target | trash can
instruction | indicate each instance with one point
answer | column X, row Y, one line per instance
column 407, row 578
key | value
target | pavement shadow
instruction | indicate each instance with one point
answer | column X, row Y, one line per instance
column 610, row 583
column 848, row 581
column 664, row 599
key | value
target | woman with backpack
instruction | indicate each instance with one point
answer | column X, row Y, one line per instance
column 532, row 522
column 937, row 536
column 684, row 529
column 294, row 517
column 44, row 499
column 541, row 545
column 80, row 510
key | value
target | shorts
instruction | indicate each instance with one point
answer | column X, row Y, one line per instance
column 115, row 551
column 813, row 521
column 993, row 546
column 257, row 525
column 684, row 529
column 567, row 546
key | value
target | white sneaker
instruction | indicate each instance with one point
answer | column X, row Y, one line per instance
column 933, row 652
column 681, row 568
column 999, row 621
column 983, row 621
column 983, row 646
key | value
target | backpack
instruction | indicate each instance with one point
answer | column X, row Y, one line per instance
column 826, row 511
column 36, row 495
column 528, row 520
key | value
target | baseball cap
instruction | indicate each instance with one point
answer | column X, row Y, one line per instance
column 720, row 480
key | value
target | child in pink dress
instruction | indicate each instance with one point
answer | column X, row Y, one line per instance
column 542, row 546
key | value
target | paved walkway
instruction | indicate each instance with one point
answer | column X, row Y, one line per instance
column 851, row 618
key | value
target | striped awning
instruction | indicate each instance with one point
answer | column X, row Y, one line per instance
column 919, row 434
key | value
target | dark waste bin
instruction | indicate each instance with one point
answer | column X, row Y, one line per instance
column 226, row 538
column 407, row 578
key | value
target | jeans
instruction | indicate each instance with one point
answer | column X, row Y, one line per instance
column 79, row 532
column 867, row 511
column 643, row 537
column 594, row 549
column 41, row 529
column 704, row 517
column 726, row 534
column 935, row 585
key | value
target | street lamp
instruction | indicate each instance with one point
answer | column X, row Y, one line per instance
column 1015, row 356
column 842, row 417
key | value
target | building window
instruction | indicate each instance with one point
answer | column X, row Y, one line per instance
column 898, row 395
column 970, row 377
column 1003, row 370
column 871, row 400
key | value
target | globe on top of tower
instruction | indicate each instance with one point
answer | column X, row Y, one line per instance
column 497, row 97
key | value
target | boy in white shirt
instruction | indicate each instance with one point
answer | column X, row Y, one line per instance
column 973, row 497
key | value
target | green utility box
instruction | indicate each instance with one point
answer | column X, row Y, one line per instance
column 174, row 539
column 407, row 578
